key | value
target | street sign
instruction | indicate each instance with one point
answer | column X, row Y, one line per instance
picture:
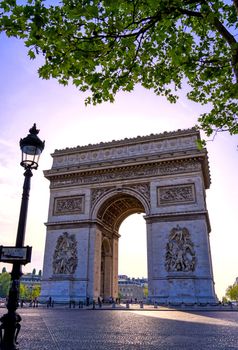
column 15, row 254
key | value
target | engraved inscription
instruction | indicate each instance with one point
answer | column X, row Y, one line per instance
column 69, row 205
column 176, row 194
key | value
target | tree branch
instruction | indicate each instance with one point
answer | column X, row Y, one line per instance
column 190, row 13
column 235, row 2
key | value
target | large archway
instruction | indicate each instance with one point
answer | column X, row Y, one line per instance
column 132, row 257
column 95, row 187
column 110, row 214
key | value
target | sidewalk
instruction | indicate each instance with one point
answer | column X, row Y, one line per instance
column 62, row 328
column 142, row 307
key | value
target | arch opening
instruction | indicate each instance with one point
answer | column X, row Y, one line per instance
column 132, row 258
column 117, row 208
column 112, row 214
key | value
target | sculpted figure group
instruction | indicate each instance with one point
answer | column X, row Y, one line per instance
column 180, row 253
column 65, row 256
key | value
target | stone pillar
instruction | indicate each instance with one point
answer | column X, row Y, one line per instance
column 108, row 277
column 115, row 267
column 179, row 261
column 94, row 263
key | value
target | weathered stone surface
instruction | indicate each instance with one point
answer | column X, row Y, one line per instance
column 95, row 187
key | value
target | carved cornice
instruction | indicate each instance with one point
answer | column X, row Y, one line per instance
column 143, row 171
column 60, row 225
column 129, row 151
column 179, row 216
column 143, row 156
column 129, row 141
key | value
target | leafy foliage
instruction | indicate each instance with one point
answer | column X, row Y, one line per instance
column 29, row 293
column 5, row 279
column 232, row 292
column 104, row 46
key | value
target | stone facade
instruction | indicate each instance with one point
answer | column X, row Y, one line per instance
column 130, row 291
column 94, row 188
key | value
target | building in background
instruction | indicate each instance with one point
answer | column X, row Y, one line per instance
column 31, row 279
column 131, row 288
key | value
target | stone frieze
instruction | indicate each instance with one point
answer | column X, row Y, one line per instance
column 126, row 173
column 120, row 151
column 172, row 195
column 69, row 205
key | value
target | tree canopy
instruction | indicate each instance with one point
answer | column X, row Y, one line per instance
column 5, row 279
column 232, row 292
column 104, row 46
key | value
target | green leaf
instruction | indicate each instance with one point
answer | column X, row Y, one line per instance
column 103, row 47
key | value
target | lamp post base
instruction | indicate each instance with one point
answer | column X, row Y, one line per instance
column 10, row 322
column 11, row 327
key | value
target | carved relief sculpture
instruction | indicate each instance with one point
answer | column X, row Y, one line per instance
column 143, row 188
column 69, row 205
column 180, row 254
column 65, row 255
column 176, row 194
column 97, row 193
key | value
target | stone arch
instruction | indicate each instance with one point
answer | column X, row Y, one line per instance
column 111, row 209
column 114, row 206
column 94, row 188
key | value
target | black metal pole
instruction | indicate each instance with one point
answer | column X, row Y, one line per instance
column 23, row 211
column 11, row 321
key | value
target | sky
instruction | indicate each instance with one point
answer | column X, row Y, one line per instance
column 64, row 121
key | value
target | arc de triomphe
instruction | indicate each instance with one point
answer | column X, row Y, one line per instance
column 94, row 188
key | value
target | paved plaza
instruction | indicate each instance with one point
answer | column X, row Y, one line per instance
column 61, row 328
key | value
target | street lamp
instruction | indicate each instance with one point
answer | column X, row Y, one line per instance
column 31, row 147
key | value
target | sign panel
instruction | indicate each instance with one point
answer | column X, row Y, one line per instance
column 15, row 254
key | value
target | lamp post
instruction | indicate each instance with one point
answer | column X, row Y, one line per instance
column 31, row 147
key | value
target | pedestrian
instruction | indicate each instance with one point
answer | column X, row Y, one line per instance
column 99, row 302
column 49, row 302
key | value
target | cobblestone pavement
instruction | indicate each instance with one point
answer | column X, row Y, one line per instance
column 87, row 329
